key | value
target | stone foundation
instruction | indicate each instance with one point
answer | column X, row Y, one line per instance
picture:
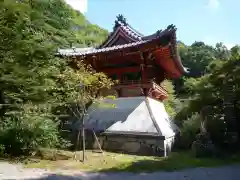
column 130, row 144
column 146, row 147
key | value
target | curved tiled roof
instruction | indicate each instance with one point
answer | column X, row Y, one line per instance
column 79, row 51
column 134, row 38
column 121, row 26
column 144, row 39
column 130, row 31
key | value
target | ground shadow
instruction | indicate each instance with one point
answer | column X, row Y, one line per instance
column 176, row 166
column 175, row 161
column 66, row 177
column 227, row 172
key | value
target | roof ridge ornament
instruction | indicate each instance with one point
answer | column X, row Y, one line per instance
column 121, row 19
column 158, row 33
column 171, row 27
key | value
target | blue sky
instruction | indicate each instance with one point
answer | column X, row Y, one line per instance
column 210, row 21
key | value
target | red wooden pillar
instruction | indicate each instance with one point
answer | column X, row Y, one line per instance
column 143, row 75
column 120, row 76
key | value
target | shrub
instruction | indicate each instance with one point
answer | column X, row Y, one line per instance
column 189, row 130
column 170, row 102
column 2, row 150
column 23, row 135
column 203, row 146
column 217, row 128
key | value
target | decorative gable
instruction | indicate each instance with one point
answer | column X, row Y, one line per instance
column 122, row 34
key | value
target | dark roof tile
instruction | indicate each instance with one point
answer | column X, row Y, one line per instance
column 80, row 52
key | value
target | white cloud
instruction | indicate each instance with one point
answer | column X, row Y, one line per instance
column 213, row 5
column 80, row 5
column 210, row 40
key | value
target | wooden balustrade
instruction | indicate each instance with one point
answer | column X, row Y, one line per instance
column 129, row 82
column 140, row 83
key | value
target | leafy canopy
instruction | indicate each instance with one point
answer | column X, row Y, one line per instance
column 34, row 83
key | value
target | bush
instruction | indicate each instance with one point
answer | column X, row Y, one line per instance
column 189, row 130
column 2, row 150
column 23, row 135
column 203, row 146
column 216, row 128
column 170, row 102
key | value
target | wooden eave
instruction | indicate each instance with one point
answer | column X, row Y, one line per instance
column 162, row 45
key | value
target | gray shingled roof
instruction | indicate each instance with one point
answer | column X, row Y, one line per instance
column 86, row 51
column 140, row 39
column 131, row 115
column 130, row 31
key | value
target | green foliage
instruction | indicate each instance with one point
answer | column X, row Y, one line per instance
column 210, row 90
column 170, row 102
column 201, row 59
column 196, row 57
column 203, row 146
column 27, row 133
column 189, row 130
column 35, row 85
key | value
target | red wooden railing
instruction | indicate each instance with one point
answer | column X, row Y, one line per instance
column 139, row 82
column 132, row 82
column 159, row 87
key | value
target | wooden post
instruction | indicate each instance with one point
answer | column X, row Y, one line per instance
column 96, row 138
column 119, row 91
column 143, row 78
column 144, row 59
column 83, row 140
column 94, row 65
column 83, row 125
column 77, row 143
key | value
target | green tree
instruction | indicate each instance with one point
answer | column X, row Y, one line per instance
column 221, row 52
column 36, row 86
column 171, row 102
column 210, row 90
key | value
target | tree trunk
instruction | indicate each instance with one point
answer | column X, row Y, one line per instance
column 77, row 143
column 83, row 139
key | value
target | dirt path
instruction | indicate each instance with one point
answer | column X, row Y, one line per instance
column 17, row 172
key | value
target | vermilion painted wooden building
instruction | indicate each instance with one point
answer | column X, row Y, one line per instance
column 139, row 62
column 139, row 124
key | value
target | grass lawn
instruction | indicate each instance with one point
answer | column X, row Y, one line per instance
column 131, row 163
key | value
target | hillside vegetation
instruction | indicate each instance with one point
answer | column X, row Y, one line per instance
column 35, row 85
column 211, row 92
